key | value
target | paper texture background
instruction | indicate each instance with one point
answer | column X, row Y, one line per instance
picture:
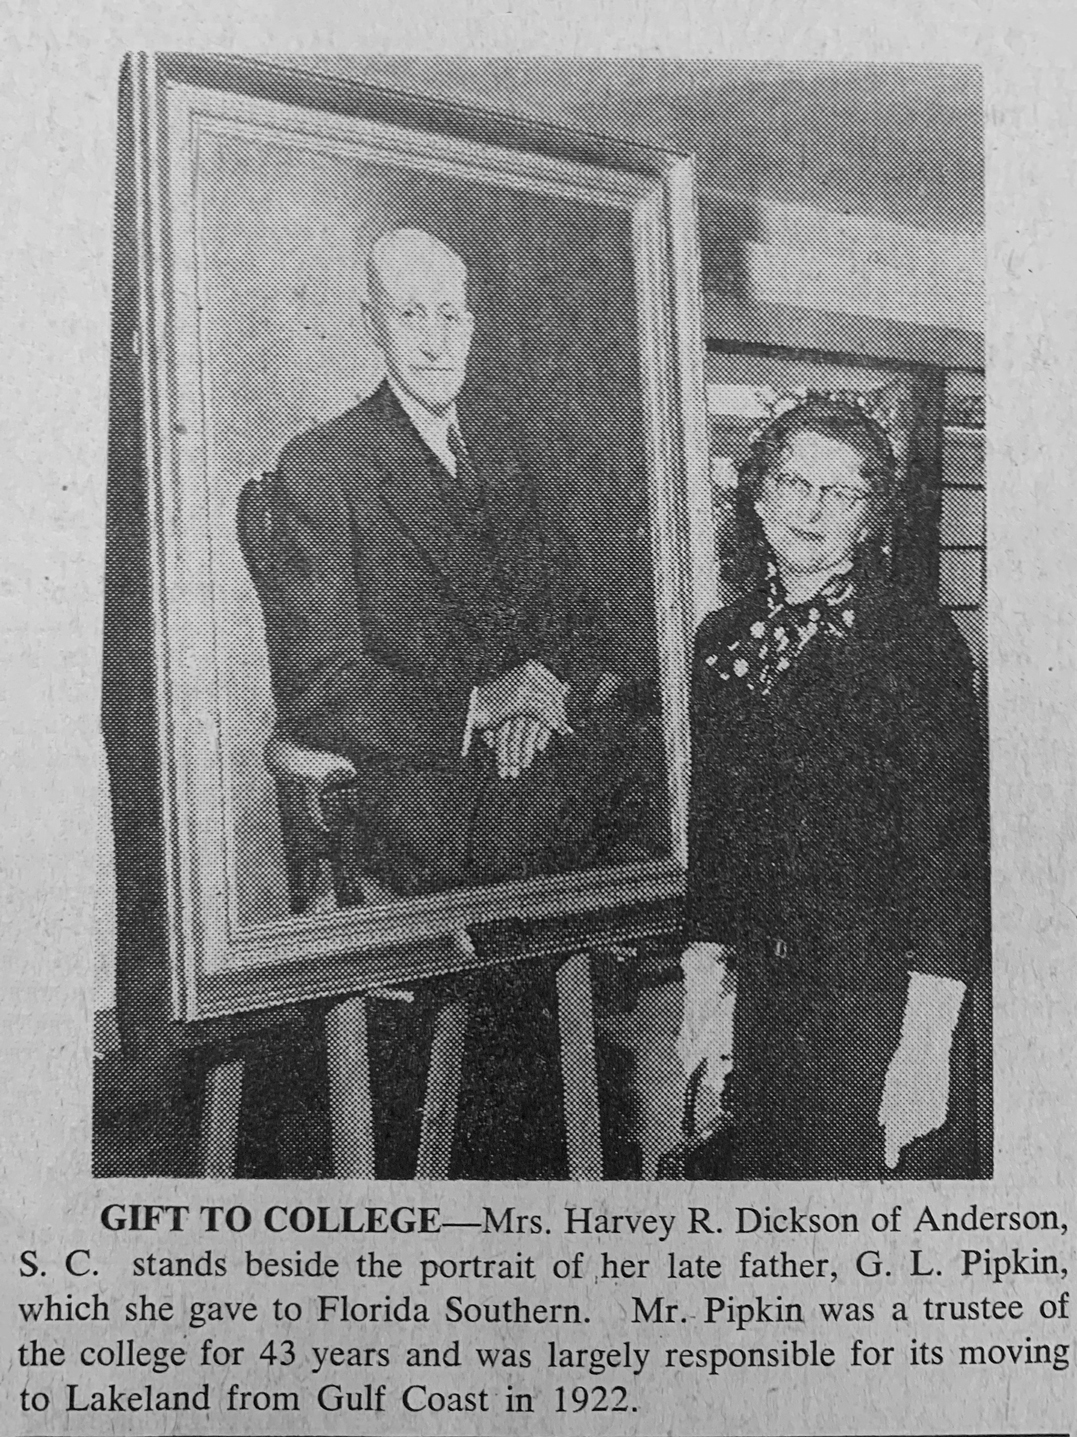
column 59, row 124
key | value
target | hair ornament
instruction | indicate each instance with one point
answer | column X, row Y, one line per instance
column 872, row 403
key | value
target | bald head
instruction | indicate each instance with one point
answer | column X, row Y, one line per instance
column 419, row 316
column 403, row 254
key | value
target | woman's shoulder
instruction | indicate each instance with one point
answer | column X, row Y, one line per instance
column 728, row 618
column 902, row 606
column 916, row 626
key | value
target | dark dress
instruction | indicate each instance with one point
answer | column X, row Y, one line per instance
column 837, row 839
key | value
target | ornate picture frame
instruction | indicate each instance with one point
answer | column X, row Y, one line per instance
column 247, row 181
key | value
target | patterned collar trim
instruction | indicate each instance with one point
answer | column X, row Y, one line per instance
column 765, row 654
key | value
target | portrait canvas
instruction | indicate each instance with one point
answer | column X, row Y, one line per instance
column 255, row 218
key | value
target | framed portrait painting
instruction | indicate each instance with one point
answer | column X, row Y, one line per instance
column 255, row 197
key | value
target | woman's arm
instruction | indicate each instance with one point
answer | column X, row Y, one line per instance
column 944, row 876
column 714, row 855
column 943, row 861
column 916, row 1094
column 708, row 961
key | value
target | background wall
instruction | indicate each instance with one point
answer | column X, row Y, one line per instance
column 826, row 191
column 897, row 143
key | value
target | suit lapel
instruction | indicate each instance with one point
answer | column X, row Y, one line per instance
column 485, row 558
column 421, row 497
column 496, row 464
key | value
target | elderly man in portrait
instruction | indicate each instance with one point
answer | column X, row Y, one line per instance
column 433, row 625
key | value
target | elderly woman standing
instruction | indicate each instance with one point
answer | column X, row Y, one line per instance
column 837, row 869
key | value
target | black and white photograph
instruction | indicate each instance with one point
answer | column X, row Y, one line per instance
column 544, row 712
column 538, row 862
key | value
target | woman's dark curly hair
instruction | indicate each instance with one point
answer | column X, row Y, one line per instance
column 838, row 419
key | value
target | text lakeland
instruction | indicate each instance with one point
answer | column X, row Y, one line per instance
column 142, row 1399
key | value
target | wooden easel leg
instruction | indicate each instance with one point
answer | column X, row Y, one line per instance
column 579, row 1070
column 442, row 1091
column 351, row 1112
column 219, row 1133
column 650, row 1033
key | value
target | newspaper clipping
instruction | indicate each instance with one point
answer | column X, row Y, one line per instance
column 577, row 666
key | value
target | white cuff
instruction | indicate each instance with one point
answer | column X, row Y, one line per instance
column 932, row 1006
column 469, row 726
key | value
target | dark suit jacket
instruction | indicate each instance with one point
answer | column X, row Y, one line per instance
column 392, row 598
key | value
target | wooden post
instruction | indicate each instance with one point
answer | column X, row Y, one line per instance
column 579, row 1070
column 442, row 1091
column 218, row 1136
column 351, row 1111
column 649, row 1033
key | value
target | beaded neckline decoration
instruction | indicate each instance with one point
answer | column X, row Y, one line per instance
column 766, row 653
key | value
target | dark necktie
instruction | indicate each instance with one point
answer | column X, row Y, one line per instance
column 466, row 479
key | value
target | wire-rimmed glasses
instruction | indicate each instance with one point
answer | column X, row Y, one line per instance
column 835, row 499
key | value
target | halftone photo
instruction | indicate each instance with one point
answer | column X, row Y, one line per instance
column 545, row 654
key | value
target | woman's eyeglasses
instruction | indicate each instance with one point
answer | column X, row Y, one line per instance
column 835, row 499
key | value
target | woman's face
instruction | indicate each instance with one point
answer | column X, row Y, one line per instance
column 814, row 504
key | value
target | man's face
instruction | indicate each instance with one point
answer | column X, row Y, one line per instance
column 420, row 319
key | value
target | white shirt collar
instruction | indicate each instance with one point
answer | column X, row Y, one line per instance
column 433, row 428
